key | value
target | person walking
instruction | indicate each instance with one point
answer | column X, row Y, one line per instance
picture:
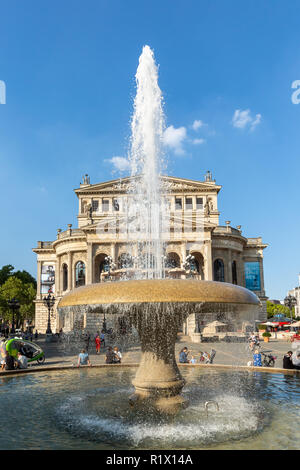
column 87, row 340
column 98, row 344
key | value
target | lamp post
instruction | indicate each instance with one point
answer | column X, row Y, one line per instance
column 290, row 301
column 49, row 301
column 104, row 324
column 14, row 304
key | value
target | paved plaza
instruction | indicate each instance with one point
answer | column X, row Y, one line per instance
column 233, row 354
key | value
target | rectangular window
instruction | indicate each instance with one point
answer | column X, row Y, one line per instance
column 199, row 203
column 252, row 275
column 178, row 204
column 95, row 205
column 116, row 205
column 188, row 203
column 105, row 205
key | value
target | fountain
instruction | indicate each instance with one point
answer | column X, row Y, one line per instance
column 156, row 307
column 88, row 408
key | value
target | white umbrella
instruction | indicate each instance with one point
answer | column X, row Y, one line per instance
column 295, row 325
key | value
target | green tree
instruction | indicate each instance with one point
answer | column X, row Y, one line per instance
column 272, row 309
column 7, row 271
column 24, row 292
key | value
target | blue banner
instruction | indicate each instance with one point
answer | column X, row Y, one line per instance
column 252, row 275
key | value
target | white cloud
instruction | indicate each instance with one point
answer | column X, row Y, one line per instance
column 255, row 122
column 242, row 119
column 174, row 138
column 198, row 141
column 119, row 163
column 197, row 124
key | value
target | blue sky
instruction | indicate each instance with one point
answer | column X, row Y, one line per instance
column 69, row 71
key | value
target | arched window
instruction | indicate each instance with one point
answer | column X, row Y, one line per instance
column 79, row 274
column 172, row 261
column 234, row 273
column 219, row 270
column 125, row 261
column 65, row 277
column 197, row 264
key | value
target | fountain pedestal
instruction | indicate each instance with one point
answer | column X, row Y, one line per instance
column 158, row 382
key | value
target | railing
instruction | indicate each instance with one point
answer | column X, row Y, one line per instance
column 73, row 232
column 44, row 244
column 222, row 229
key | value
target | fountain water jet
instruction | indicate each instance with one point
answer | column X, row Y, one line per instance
column 156, row 307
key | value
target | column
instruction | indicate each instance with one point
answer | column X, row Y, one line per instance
column 39, row 272
column 70, row 271
column 58, row 280
column 208, row 271
column 229, row 266
column 89, row 267
column 261, row 272
column 113, row 252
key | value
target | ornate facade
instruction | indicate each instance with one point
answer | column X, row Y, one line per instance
column 98, row 250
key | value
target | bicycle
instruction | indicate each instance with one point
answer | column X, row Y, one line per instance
column 268, row 359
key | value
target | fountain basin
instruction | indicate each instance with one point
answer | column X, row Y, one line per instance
column 88, row 409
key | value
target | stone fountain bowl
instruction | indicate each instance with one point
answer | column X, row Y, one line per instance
column 157, row 309
column 159, row 291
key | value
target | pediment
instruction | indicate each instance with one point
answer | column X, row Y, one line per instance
column 170, row 184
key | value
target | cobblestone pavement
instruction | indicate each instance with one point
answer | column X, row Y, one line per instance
column 236, row 354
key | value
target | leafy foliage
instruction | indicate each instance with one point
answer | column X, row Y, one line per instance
column 272, row 309
column 7, row 271
column 20, row 285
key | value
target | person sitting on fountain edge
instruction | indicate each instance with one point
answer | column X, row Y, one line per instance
column 183, row 356
column 287, row 361
column 117, row 355
column 83, row 359
column 110, row 356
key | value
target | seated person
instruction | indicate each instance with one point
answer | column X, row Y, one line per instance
column 296, row 359
column 287, row 361
column 83, row 359
column 22, row 362
column 9, row 362
column 118, row 355
column 193, row 360
column 183, row 356
column 257, row 358
column 110, row 355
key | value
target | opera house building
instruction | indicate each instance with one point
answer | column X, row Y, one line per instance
column 102, row 249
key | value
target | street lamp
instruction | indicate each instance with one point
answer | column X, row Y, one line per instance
column 49, row 301
column 104, row 324
column 14, row 304
column 290, row 301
